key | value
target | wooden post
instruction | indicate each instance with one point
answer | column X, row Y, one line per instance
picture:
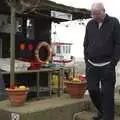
column 12, row 46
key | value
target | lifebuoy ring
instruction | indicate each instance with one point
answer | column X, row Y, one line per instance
column 48, row 48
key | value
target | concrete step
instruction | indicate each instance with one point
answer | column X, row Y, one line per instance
column 117, row 105
column 85, row 115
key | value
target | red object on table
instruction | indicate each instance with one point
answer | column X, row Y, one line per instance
column 34, row 64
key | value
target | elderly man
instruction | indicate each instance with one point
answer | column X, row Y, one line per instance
column 102, row 52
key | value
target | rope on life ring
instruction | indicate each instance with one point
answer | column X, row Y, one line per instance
column 48, row 48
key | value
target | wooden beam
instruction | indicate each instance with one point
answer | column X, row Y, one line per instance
column 12, row 46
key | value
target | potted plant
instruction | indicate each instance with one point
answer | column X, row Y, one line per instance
column 76, row 87
column 17, row 94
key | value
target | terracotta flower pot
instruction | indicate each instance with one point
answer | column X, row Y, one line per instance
column 76, row 89
column 17, row 96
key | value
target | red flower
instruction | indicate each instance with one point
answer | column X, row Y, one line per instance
column 82, row 77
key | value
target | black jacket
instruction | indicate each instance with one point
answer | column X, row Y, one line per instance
column 102, row 45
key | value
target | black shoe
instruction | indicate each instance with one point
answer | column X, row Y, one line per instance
column 98, row 117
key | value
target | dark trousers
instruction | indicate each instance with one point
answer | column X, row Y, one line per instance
column 102, row 95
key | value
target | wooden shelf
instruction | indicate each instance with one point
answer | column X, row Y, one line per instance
column 50, row 71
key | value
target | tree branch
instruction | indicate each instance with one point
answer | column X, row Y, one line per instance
column 22, row 6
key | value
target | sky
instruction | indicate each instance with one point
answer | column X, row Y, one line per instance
column 75, row 32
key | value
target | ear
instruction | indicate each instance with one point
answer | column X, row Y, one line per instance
column 103, row 11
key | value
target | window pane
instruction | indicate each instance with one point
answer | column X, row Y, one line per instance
column 58, row 49
column 63, row 49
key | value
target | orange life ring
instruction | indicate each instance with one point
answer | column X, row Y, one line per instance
column 48, row 48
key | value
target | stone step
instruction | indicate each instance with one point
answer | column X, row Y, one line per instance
column 117, row 105
column 85, row 115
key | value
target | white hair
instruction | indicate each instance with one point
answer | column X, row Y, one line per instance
column 98, row 6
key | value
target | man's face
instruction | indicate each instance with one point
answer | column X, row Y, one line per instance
column 98, row 14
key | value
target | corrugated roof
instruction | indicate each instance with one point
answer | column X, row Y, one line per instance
column 43, row 7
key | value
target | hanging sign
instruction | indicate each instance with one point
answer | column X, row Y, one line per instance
column 61, row 15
